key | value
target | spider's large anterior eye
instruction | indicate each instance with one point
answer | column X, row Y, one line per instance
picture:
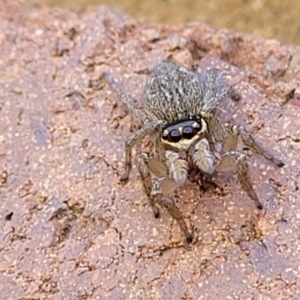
column 174, row 136
column 188, row 132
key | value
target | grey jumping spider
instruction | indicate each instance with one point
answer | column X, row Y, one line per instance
column 178, row 115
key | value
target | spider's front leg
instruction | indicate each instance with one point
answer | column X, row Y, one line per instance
column 157, row 192
column 232, row 159
column 147, row 129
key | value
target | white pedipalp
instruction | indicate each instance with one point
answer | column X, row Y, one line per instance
column 178, row 167
column 203, row 157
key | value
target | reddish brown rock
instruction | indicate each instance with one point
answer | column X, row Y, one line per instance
column 69, row 230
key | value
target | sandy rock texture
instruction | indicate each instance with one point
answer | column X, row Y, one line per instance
column 70, row 230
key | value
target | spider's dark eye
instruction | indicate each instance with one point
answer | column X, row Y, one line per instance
column 174, row 136
column 187, row 132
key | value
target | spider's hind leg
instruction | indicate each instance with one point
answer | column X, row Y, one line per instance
column 127, row 101
column 215, row 90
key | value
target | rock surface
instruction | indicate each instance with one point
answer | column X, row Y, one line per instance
column 69, row 230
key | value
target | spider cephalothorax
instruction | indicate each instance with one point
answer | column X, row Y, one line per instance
column 179, row 116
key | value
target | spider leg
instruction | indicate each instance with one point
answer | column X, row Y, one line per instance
column 230, row 158
column 155, row 193
column 174, row 211
column 147, row 182
column 130, row 106
column 159, row 148
column 127, row 101
column 249, row 141
column 231, row 140
column 147, row 129
column 215, row 90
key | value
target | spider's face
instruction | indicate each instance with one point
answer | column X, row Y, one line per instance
column 183, row 134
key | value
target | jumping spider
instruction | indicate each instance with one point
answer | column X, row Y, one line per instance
column 178, row 115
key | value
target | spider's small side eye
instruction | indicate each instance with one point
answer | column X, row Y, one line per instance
column 174, row 136
column 165, row 135
column 196, row 126
column 188, row 132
